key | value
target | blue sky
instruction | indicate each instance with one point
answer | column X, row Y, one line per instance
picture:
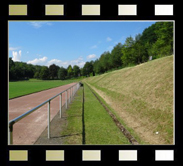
column 67, row 42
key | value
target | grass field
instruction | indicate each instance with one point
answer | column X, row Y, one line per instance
column 20, row 88
column 93, row 126
column 142, row 96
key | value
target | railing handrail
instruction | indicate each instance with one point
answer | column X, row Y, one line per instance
column 13, row 121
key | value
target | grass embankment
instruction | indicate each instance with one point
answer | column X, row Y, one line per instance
column 21, row 88
column 93, row 126
column 142, row 97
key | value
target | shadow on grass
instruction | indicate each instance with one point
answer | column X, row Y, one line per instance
column 74, row 116
column 69, row 135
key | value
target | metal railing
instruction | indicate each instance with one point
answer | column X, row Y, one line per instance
column 72, row 90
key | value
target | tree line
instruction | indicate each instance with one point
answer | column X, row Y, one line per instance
column 155, row 41
column 24, row 71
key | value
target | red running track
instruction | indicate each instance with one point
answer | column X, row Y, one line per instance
column 27, row 130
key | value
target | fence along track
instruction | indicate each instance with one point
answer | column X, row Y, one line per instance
column 127, row 134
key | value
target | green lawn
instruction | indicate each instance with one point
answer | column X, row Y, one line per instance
column 20, row 88
column 94, row 126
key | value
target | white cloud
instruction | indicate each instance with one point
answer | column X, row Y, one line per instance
column 55, row 61
column 79, row 62
column 43, row 61
column 39, row 24
column 108, row 39
column 16, row 55
column 40, row 61
column 91, row 56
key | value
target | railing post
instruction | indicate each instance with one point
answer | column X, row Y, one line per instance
column 72, row 91
column 66, row 99
column 10, row 137
column 60, row 105
column 48, row 119
column 69, row 95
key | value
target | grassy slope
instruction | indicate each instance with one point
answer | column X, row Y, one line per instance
column 144, row 92
column 99, row 128
column 20, row 88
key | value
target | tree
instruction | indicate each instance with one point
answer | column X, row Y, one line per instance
column 88, row 68
column 116, row 54
column 11, row 69
column 76, row 71
column 149, row 35
column 105, row 61
column 128, row 51
column 62, row 73
column 30, row 70
column 36, row 75
column 97, row 67
column 139, row 50
column 164, row 43
column 69, row 71
column 158, row 39
column 53, row 71
column 44, row 73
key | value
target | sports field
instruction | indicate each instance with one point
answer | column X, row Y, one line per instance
column 21, row 88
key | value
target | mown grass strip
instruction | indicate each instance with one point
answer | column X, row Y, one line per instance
column 117, row 122
column 135, row 135
column 99, row 128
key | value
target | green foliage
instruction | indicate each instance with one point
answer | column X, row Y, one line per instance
column 53, row 71
column 69, row 71
column 88, row 68
column 36, row 75
column 44, row 74
column 155, row 41
column 20, row 70
column 116, row 54
column 62, row 73
column 149, row 35
column 76, row 71
column 163, row 46
column 105, row 61
column 128, row 51
column 97, row 67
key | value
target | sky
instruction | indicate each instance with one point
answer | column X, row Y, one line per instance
column 67, row 42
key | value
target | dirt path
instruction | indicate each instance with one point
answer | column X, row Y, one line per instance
column 28, row 129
